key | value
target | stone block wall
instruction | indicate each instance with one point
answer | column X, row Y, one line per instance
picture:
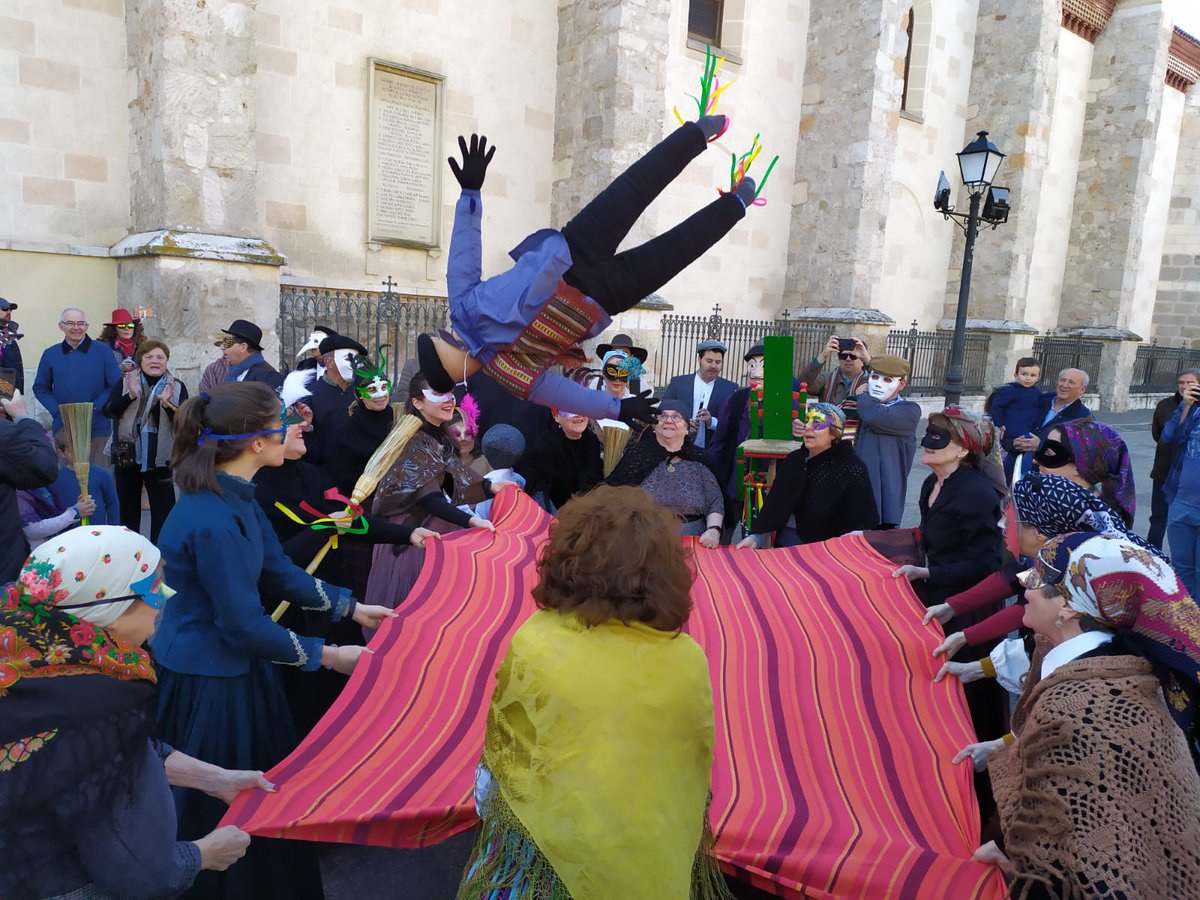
column 918, row 240
column 1177, row 306
column 64, row 172
column 311, row 145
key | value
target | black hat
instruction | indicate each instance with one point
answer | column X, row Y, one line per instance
column 431, row 365
column 620, row 342
column 4, row 304
column 756, row 350
column 245, row 331
column 337, row 341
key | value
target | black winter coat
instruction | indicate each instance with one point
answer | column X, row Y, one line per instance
column 830, row 495
column 960, row 533
column 27, row 461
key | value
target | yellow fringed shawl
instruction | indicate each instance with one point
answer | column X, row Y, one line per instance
column 601, row 743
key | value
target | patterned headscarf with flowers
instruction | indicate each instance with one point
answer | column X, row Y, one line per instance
column 1134, row 592
column 39, row 634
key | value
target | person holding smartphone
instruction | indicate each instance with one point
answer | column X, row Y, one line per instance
column 840, row 385
column 1183, row 487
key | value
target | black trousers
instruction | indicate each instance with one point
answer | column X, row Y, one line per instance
column 160, row 490
column 1158, row 514
column 618, row 281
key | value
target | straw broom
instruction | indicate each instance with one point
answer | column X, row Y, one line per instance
column 77, row 420
column 381, row 460
column 616, row 438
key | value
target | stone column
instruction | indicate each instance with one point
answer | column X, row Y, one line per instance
column 612, row 78
column 193, row 254
column 1012, row 96
column 1103, row 283
column 1177, row 305
column 845, row 157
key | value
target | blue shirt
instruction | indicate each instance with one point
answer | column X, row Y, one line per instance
column 224, row 561
column 490, row 314
column 1183, row 482
column 101, row 488
column 83, row 374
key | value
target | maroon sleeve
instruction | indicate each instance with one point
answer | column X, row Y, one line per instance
column 992, row 589
column 995, row 626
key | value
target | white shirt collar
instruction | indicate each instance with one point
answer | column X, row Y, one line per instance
column 1072, row 649
column 702, row 390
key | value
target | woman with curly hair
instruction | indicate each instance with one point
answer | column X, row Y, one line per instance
column 595, row 775
column 124, row 334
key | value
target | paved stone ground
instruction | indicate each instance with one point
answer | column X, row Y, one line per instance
column 364, row 873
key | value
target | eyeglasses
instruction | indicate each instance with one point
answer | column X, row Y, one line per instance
column 670, row 417
column 73, row 324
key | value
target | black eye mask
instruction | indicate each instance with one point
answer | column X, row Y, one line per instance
column 1053, row 454
column 936, row 438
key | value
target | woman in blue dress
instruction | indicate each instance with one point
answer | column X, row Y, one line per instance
column 221, row 694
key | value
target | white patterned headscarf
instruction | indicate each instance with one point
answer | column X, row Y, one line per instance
column 97, row 561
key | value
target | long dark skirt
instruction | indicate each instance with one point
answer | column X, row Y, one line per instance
column 239, row 722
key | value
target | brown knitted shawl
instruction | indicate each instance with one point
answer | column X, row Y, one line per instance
column 1099, row 797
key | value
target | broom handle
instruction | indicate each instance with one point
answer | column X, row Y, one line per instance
column 310, row 568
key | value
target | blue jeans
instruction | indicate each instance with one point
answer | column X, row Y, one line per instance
column 1183, row 532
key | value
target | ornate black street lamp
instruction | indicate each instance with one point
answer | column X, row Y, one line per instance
column 978, row 163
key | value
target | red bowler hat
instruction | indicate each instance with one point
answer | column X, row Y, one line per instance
column 122, row 317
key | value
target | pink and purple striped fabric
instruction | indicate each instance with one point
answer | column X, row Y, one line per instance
column 832, row 774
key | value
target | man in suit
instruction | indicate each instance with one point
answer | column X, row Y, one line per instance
column 1062, row 404
column 704, row 391
column 243, row 352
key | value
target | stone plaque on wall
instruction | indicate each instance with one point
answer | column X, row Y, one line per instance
column 404, row 164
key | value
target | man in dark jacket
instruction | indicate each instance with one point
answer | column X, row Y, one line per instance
column 1164, row 456
column 10, row 350
column 332, row 396
column 27, row 461
column 1063, row 404
column 244, row 355
column 704, row 393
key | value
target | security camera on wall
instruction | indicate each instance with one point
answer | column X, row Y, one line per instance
column 941, row 196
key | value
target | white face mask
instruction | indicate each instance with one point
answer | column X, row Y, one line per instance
column 344, row 366
column 754, row 368
column 883, row 387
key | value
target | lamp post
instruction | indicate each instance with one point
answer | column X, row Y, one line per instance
column 978, row 163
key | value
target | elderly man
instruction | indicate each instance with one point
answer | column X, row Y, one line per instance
column 243, row 352
column 10, row 350
column 704, row 391
column 841, row 385
column 1062, row 404
column 78, row 370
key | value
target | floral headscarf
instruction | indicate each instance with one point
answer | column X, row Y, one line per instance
column 1102, row 458
column 1126, row 588
column 977, row 435
column 39, row 636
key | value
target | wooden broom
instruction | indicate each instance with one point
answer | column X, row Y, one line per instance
column 381, row 460
column 616, row 438
column 77, row 420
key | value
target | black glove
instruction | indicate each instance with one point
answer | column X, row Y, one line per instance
column 639, row 409
column 475, row 162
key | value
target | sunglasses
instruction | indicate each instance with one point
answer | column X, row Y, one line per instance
column 845, row 356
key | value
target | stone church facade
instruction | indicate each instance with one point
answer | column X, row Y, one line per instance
column 192, row 156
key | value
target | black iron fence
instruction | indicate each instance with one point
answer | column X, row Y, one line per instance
column 676, row 353
column 1058, row 353
column 928, row 353
column 372, row 318
column 1156, row 369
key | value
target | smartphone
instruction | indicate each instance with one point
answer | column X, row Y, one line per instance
column 845, row 345
column 8, row 381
